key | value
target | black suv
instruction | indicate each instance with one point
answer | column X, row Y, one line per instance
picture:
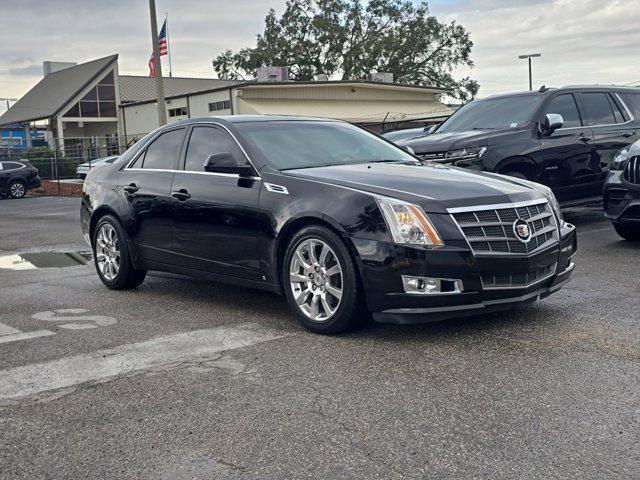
column 622, row 193
column 565, row 138
column 16, row 177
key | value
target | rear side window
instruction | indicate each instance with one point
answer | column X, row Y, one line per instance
column 566, row 106
column 164, row 151
column 632, row 100
column 205, row 141
column 10, row 165
column 598, row 109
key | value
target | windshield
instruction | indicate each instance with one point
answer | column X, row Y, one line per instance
column 492, row 114
column 304, row 144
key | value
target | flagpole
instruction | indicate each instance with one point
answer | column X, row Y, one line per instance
column 166, row 22
column 162, row 111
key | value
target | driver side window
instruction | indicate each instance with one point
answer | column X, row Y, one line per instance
column 566, row 106
column 206, row 141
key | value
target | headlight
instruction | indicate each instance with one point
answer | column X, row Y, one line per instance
column 620, row 160
column 466, row 153
column 553, row 201
column 408, row 223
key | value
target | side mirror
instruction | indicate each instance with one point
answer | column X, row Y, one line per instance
column 550, row 123
column 224, row 162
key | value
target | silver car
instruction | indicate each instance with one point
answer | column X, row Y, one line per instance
column 83, row 168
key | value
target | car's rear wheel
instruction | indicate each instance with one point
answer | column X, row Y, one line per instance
column 321, row 282
column 17, row 189
column 628, row 232
column 112, row 257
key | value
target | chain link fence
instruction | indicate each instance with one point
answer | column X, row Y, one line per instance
column 62, row 162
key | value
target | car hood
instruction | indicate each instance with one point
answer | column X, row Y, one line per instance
column 441, row 142
column 432, row 186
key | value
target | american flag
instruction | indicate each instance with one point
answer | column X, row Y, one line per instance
column 164, row 50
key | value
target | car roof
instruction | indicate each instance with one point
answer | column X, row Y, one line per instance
column 255, row 118
column 546, row 90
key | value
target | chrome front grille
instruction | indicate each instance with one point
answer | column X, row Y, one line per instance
column 489, row 231
column 519, row 281
column 432, row 156
column 631, row 172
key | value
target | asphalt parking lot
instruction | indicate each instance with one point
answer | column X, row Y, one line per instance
column 183, row 379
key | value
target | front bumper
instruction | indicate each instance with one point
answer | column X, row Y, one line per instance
column 621, row 199
column 383, row 266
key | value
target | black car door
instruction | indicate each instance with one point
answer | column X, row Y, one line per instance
column 215, row 214
column 144, row 189
column 4, row 178
column 612, row 131
column 566, row 153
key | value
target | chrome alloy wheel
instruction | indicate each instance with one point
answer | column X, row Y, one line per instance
column 108, row 251
column 315, row 276
column 17, row 190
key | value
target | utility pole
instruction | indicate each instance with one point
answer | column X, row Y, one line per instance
column 529, row 56
column 162, row 111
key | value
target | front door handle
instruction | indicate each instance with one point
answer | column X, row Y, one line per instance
column 181, row 194
column 131, row 188
column 585, row 138
column 627, row 134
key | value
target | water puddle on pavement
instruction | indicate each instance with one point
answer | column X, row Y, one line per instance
column 33, row 261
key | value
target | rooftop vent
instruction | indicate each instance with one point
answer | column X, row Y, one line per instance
column 382, row 77
column 50, row 67
column 273, row 74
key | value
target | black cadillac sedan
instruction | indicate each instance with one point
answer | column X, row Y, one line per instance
column 339, row 220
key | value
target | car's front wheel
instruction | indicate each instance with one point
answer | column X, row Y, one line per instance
column 321, row 282
column 628, row 232
column 17, row 189
column 112, row 257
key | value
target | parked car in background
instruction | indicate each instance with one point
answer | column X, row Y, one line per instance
column 397, row 135
column 565, row 138
column 335, row 218
column 622, row 193
column 16, row 177
column 83, row 168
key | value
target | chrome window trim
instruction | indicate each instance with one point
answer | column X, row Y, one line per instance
column 497, row 206
column 189, row 172
column 186, row 126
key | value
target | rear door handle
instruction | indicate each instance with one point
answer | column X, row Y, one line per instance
column 131, row 188
column 585, row 138
column 181, row 194
column 627, row 134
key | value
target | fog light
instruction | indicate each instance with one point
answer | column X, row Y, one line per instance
column 431, row 286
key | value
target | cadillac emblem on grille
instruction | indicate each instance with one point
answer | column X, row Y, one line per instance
column 522, row 230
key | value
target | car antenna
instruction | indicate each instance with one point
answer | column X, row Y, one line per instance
column 542, row 89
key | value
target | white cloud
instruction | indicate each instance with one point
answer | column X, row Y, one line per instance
column 582, row 41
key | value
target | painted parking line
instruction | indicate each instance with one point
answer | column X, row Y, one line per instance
column 107, row 364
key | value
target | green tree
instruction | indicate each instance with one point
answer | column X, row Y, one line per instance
column 352, row 38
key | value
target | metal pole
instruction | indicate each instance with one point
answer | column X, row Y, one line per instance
column 162, row 112
column 530, row 79
column 166, row 22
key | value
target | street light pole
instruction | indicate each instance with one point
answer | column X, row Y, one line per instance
column 529, row 56
column 162, row 112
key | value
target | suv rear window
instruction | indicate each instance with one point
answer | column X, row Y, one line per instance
column 598, row 108
column 10, row 165
column 632, row 100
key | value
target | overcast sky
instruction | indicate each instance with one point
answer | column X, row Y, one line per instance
column 581, row 41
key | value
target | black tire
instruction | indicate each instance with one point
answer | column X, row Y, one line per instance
column 127, row 276
column 351, row 309
column 17, row 189
column 628, row 232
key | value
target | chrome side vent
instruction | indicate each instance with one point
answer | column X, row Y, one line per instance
column 272, row 187
column 631, row 172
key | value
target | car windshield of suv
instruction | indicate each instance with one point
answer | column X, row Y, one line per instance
column 492, row 114
column 305, row 144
